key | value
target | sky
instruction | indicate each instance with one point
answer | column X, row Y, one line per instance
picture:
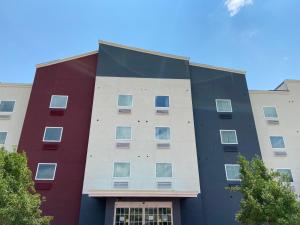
column 261, row 37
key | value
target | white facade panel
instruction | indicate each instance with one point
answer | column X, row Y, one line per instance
column 143, row 153
column 12, row 122
column 287, row 104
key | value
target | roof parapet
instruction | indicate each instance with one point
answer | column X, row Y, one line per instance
column 21, row 85
column 242, row 72
column 144, row 50
column 66, row 59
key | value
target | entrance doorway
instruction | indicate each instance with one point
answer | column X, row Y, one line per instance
column 143, row 213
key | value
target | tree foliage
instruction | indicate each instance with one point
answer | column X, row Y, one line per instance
column 267, row 197
column 19, row 202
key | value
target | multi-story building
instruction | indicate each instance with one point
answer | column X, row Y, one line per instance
column 124, row 136
column 13, row 105
column 276, row 117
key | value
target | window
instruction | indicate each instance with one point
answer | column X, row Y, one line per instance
column 270, row 113
column 2, row 137
column 125, row 101
column 163, row 170
column 223, row 105
column 233, row 172
column 286, row 174
column 277, row 142
column 162, row 133
column 52, row 134
column 7, row 106
column 162, row 101
column 121, row 169
column 59, row 102
column 123, row 133
column 45, row 171
column 228, row 137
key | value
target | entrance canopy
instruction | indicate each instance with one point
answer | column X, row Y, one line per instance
column 141, row 193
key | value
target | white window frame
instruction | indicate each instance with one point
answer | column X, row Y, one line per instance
column 124, row 107
column 158, row 107
column 270, row 118
column 282, row 149
column 225, row 165
column 162, row 140
column 121, row 178
column 123, row 139
column 4, row 131
column 291, row 173
column 61, row 133
column 37, row 169
column 172, row 168
column 222, row 99
column 8, row 113
column 58, row 96
column 237, row 141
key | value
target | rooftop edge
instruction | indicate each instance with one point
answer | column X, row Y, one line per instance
column 144, row 50
column 242, row 72
column 66, row 59
column 4, row 84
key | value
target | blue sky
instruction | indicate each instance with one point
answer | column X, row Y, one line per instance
column 259, row 36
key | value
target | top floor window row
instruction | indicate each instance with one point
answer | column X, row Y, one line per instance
column 126, row 101
column 7, row 106
column 163, row 102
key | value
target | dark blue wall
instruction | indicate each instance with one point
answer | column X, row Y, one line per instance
column 120, row 62
column 218, row 205
column 92, row 211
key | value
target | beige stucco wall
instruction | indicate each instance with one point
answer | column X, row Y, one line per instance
column 13, row 124
column 143, row 153
column 287, row 103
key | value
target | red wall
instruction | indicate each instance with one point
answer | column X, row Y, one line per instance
column 75, row 78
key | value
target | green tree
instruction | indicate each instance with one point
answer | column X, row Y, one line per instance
column 267, row 196
column 19, row 202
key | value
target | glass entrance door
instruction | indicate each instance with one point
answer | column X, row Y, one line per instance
column 143, row 213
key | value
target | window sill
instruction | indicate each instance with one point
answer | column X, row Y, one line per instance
column 232, row 183
column 230, row 148
column 5, row 115
column 272, row 122
column 225, row 115
column 162, row 110
column 280, row 153
column 124, row 110
column 50, row 145
column 123, row 144
column 57, row 111
column 163, row 145
column 46, row 185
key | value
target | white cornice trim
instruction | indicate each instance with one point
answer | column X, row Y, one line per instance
column 18, row 85
column 292, row 81
column 66, row 59
column 242, row 72
column 139, row 193
column 279, row 92
column 144, row 50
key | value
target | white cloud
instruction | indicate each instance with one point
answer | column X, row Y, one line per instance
column 234, row 6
